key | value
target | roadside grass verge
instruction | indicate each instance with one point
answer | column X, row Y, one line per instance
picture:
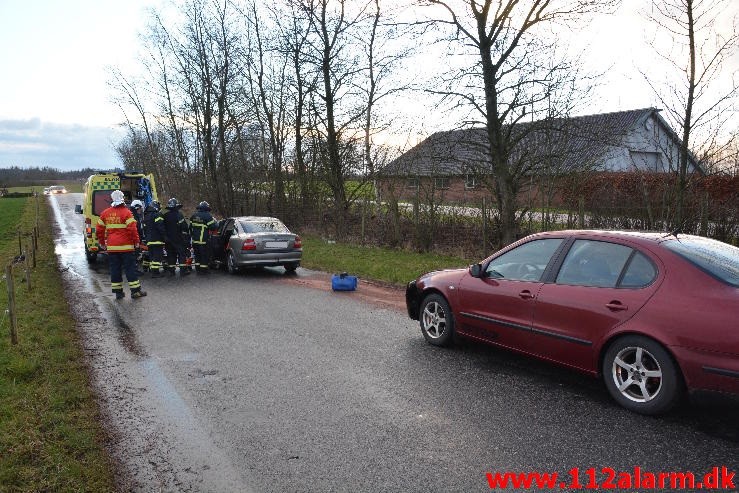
column 380, row 264
column 51, row 438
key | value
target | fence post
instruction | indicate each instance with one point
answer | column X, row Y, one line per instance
column 484, row 227
column 364, row 211
column 11, row 305
column 34, row 242
column 27, row 268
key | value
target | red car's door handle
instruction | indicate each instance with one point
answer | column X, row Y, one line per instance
column 526, row 294
column 616, row 306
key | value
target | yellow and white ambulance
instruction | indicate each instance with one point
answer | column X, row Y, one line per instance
column 96, row 199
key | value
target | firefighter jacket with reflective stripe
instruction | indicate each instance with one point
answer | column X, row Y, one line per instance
column 201, row 223
column 116, row 229
column 175, row 226
column 154, row 228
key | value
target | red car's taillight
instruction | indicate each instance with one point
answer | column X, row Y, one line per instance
column 249, row 244
column 298, row 242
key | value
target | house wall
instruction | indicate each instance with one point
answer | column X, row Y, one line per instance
column 456, row 192
column 648, row 147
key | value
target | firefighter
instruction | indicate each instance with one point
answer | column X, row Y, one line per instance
column 137, row 209
column 176, row 229
column 202, row 225
column 117, row 234
column 155, row 235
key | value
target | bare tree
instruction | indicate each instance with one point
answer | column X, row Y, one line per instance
column 196, row 68
column 335, row 27
column 508, row 83
column 269, row 90
column 699, row 95
column 294, row 37
column 385, row 56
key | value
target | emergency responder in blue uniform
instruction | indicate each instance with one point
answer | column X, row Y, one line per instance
column 177, row 232
column 155, row 237
column 202, row 225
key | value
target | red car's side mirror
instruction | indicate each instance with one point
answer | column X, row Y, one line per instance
column 475, row 270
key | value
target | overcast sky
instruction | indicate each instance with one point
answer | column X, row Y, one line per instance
column 54, row 99
column 54, row 103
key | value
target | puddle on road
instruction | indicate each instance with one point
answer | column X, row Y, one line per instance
column 174, row 405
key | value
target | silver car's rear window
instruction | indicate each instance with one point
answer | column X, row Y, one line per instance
column 721, row 260
column 264, row 226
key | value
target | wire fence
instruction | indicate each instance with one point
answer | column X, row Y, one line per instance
column 24, row 262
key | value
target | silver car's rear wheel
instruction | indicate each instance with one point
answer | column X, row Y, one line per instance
column 437, row 322
column 641, row 375
column 231, row 264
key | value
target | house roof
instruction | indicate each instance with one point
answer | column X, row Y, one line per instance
column 574, row 143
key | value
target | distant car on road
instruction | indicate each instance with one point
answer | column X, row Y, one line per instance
column 652, row 313
column 255, row 241
column 54, row 189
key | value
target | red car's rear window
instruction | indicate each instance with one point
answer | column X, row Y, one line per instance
column 720, row 260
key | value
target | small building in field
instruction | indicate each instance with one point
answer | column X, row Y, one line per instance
column 455, row 164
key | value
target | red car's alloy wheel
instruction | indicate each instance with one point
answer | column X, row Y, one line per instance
column 437, row 323
column 637, row 374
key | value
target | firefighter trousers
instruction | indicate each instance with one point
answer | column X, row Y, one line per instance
column 156, row 254
column 118, row 263
column 202, row 255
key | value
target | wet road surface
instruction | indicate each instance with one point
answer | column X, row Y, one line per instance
column 271, row 382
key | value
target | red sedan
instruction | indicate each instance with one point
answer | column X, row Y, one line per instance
column 653, row 313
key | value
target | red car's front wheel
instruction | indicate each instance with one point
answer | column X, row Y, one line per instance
column 437, row 322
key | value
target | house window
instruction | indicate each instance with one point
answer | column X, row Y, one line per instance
column 412, row 183
column 441, row 182
column 470, row 182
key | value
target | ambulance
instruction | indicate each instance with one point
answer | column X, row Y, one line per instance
column 96, row 198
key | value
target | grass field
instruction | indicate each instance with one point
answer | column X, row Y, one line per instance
column 70, row 185
column 10, row 212
column 50, row 434
column 381, row 264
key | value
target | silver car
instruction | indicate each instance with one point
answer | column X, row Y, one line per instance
column 254, row 241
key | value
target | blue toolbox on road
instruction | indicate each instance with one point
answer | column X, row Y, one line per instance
column 343, row 282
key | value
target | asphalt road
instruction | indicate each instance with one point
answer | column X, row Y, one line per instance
column 268, row 382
